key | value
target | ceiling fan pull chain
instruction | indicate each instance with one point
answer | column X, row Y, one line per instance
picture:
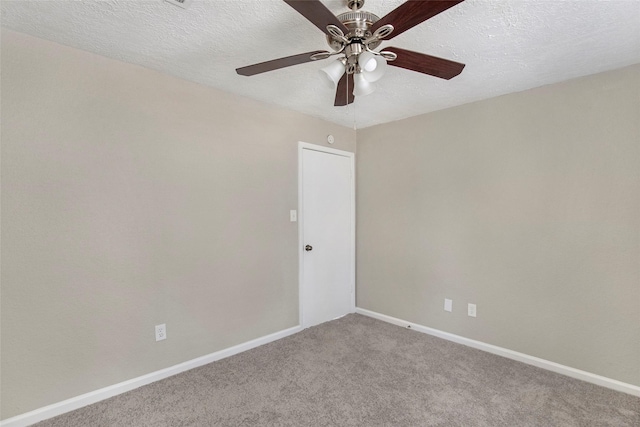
column 347, row 95
column 353, row 105
column 355, row 127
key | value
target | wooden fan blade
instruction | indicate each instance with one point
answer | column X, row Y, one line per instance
column 426, row 64
column 275, row 64
column 344, row 92
column 317, row 13
column 412, row 13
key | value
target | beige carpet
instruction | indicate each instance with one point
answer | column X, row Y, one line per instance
column 358, row 371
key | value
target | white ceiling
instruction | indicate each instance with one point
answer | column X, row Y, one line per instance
column 507, row 46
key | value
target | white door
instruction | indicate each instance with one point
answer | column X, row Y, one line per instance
column 327, row 234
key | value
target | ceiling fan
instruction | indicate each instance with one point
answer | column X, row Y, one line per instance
column 354, row 35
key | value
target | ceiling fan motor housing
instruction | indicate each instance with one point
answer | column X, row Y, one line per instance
column 358, row 22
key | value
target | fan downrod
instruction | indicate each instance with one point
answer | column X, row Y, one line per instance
column 355, row 4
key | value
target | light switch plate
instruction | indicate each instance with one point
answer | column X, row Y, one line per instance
column 293, row 216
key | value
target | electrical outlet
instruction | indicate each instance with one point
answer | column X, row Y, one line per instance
column 161, row 332
column 471, row 310
column 448, row 304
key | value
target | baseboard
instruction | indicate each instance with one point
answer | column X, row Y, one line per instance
column 510, row 354
column 77, row 402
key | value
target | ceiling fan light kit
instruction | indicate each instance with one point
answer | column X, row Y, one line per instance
column 333, row 72
column 361, row 86
column 372, row 66
column 367, row 61
column 354, row 35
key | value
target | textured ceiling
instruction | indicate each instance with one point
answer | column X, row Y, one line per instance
column 507, row 45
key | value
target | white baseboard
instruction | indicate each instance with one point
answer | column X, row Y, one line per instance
column 510, row 354
column 77, row 402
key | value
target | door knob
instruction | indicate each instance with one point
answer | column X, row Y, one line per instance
column 308, row 248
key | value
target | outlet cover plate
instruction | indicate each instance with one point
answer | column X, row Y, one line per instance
column 471, row 310
column 161, row 332
column 448, row 305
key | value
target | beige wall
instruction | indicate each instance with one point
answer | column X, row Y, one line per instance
column 527, row 205
column 129, row 199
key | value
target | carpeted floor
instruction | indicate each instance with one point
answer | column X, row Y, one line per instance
column 358, row 371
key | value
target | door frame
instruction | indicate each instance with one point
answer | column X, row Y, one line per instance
column 352, row 261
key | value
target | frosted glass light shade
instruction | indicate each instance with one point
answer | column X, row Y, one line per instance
column 332, row 73
column 361, row 86
column 367, row 61
column 372, row 66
